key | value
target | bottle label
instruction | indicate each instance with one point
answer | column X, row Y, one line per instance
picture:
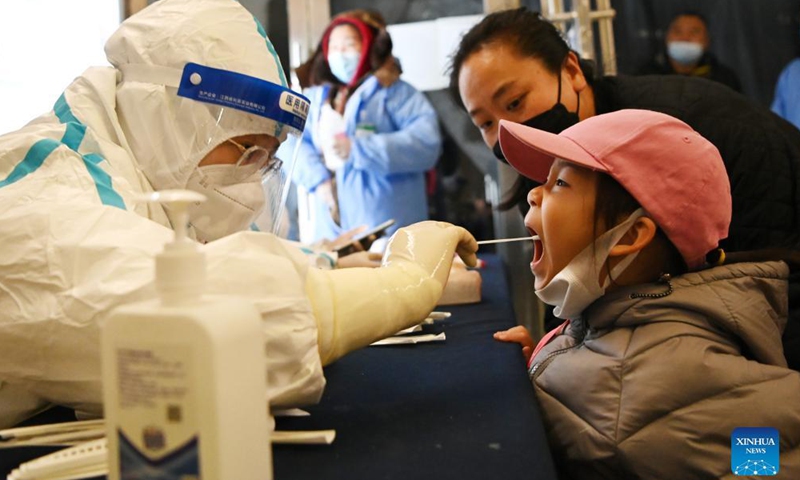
column 183, row 463
column 157, row 411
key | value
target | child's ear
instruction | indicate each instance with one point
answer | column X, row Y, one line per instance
column 636, row 238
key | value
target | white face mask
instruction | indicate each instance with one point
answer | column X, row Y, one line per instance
column 228, row 207
column 577, row 286
column 344, row 65
column 685, row 53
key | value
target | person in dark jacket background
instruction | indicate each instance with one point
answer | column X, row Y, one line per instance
column 515, row 65
column 685, row 52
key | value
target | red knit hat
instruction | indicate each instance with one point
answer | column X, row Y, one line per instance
column 367, row 36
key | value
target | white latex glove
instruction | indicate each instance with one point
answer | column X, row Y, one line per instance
column 431, row 246
column 359, row 259
column 357, row 306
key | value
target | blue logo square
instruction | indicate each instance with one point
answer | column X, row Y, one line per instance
column 755, row 451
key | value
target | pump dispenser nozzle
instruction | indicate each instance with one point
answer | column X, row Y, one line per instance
column 197, row 352
column 181, row 267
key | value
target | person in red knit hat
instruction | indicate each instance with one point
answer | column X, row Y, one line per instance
column 370, row 138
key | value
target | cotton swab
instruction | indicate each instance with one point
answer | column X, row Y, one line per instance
column 27, row 432
column 504, row 240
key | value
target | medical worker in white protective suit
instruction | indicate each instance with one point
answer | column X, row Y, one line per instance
column 171, row 114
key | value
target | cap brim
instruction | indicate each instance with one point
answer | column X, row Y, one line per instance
column 531, row 151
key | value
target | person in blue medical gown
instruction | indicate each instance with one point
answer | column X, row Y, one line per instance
column 370, row 136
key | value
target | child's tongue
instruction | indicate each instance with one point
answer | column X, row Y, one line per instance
column 538, row 250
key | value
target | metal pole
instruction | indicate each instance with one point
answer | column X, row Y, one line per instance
column 490, row 6
column 307, row 22
column 129, row 7
column 553, row 10
column 582, row 19
column 584, row 30
column 606, row 30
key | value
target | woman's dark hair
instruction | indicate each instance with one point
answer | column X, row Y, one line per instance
column 379, row 52
column 528, row 31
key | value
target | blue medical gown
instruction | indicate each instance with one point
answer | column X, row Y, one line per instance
column 395, row 140
column 787, row 93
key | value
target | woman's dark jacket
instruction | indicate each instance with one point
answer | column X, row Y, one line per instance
column 761, row 152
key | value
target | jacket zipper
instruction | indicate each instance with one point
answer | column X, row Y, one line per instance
column 538, row 368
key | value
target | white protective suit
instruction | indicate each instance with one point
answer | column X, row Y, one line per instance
column 75, row 244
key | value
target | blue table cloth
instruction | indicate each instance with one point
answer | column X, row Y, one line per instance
column 461, row 409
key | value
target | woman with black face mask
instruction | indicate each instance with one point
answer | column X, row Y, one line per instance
column 515, row 65
column 487, row 77
column 556, row 119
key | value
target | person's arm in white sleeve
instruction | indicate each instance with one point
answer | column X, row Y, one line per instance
column 355, row 307
column 77, row 262
column 271, row 273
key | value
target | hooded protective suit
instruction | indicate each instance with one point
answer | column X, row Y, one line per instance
column 76, row 245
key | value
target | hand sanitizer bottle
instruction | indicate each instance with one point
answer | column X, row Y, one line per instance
column 184, row 376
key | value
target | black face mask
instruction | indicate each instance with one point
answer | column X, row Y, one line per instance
column 555, row 120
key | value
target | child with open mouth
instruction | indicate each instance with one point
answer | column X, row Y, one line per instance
column 669, row 343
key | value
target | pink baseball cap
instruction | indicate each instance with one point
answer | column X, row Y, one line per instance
column 674, row 173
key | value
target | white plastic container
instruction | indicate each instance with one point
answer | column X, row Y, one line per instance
column 184, row 376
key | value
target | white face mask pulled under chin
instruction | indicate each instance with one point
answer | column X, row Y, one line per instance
column 578, row 285
column 228, row 207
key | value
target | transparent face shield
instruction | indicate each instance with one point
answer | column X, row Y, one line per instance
column 244, row 122
column 277, row 185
